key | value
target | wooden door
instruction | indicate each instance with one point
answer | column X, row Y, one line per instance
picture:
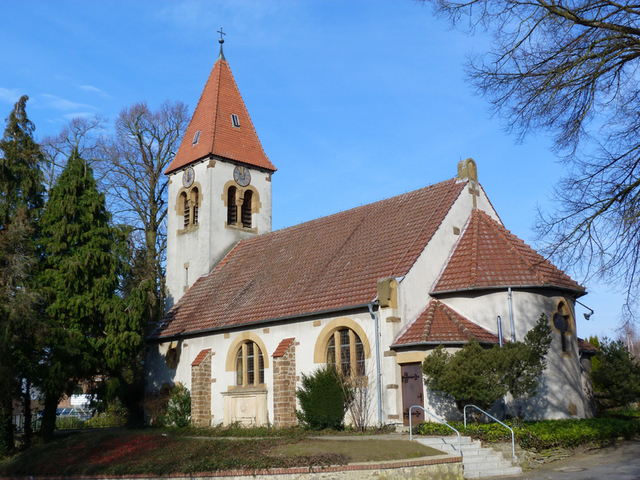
column 412, row 392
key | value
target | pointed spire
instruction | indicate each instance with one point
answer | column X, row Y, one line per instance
column 221, row 41
column 220, row 124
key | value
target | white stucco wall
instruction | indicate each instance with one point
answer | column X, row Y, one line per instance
column 414, row 288
column 206, row 245
column 560, row 389
column 305, row 331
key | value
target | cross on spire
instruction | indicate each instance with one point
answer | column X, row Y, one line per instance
column 221, row 41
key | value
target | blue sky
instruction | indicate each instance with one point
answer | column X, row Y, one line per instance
column 353, row 101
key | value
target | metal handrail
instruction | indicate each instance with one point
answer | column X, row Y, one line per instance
column 513, row 444
column 439, row 419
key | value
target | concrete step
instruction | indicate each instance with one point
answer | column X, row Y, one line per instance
column 477, row 461
column 493, row 472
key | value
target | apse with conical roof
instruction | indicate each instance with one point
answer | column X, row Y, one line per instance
column 219, row 183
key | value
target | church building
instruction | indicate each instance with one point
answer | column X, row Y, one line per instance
column 371, row 290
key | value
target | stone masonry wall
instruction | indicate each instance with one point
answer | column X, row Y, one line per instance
column 201, row 393
column 284, row 388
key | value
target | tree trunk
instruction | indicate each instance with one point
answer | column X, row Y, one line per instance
column 6, row 426
column 49, row 416
column 26, row 399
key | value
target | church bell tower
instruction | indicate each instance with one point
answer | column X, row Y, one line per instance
column 219, row 184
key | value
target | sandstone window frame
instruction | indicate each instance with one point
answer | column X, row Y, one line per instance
column 329, row 333
column 240, row 346
column 188, row 203
column 240, row 204
column 563, row 323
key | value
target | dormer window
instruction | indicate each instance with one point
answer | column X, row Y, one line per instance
column 235, row 120
column 196, row 137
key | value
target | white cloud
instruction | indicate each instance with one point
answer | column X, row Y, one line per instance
column 10, row 95
column 91, row 88
column 71, row 116
column 57, row 103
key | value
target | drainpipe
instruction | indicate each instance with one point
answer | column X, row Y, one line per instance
column 500, row 330
column 377, row 323
column 513, row 327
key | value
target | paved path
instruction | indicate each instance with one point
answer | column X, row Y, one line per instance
column 619, row 462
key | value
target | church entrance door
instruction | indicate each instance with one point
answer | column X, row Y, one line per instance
column 412, row 392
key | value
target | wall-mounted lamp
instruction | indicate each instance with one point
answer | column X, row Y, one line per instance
column 587, row 316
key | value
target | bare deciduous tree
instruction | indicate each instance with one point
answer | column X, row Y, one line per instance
column 360, row 400
column 570, row 68
column 136, row 156
column 82, row 134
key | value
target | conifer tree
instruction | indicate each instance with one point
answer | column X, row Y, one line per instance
column 21, row 201
column 80, row 277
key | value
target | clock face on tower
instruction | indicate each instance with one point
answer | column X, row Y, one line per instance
column 242, row 176
column 188, row 177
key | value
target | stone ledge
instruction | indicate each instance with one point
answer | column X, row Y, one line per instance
column 390, row 469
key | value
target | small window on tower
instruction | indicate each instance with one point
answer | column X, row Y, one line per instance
column 235, row 120
column 196, row 137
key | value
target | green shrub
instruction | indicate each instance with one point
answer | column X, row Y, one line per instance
column 115, row 416
column 547, row 434
column 69, row 423
column 322, row 400
column 616, row 375
column 178, row 408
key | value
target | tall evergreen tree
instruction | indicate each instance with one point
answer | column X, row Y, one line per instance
column 21, row 201
column 21, row 179
column 80, row 276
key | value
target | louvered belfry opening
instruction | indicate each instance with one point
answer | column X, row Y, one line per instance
column 246, row 209
column 232, row 209
column 186, row 210
column 194, row 201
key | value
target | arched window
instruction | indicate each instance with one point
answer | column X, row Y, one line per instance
column 246, row 209
column 193, row 202
column 232, row 209
column 346, row 352
column 563, row 324
column 249, row 365
column 184, row 201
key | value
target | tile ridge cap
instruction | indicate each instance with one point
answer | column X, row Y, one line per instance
column 453, row 251
column 473, row 273
column 253, row 128
column 507, row 237
column 216, row 113
column 406, row 328
column 430, row 311
column 457, row 321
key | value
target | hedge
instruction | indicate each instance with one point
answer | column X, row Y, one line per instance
column 546, row 434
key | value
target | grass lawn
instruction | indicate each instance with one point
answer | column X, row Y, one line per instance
column 150, row 451
column 364, row 450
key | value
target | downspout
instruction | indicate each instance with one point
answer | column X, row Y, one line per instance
column 513, row 327
column 377, row 323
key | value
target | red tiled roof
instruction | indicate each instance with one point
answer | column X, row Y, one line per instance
column 330, row 263
column 282, row 347
column 201, row 356
column 440, row 324
column 585, row 346
column 212, row 117
column 487, row 255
